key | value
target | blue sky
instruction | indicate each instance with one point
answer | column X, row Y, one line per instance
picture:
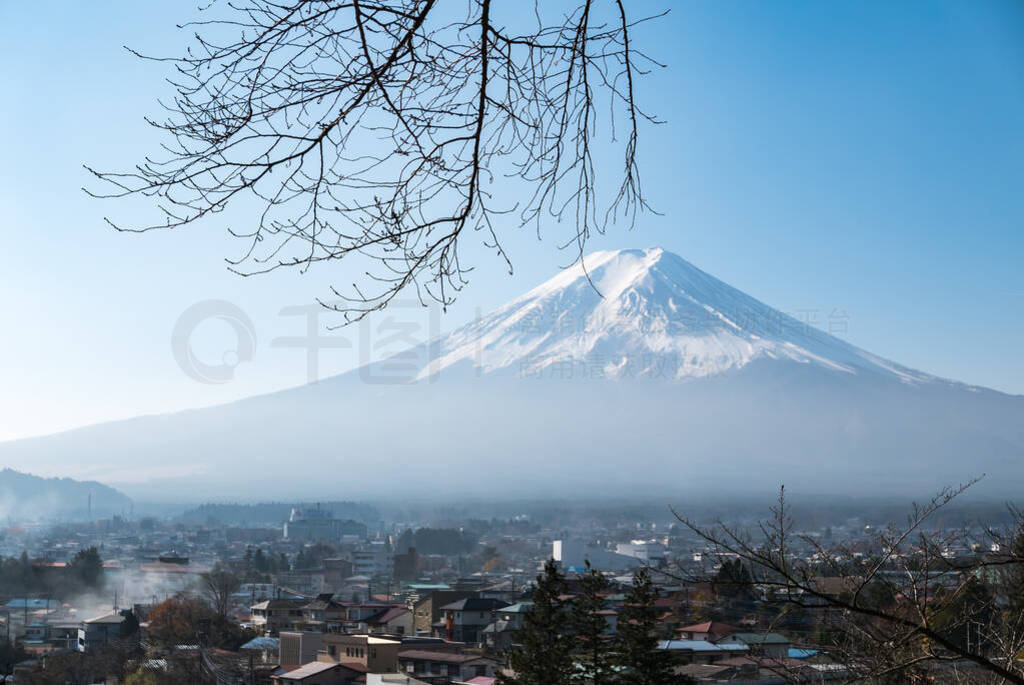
column 855, row 156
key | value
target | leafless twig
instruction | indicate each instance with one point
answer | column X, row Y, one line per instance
column 391, row 129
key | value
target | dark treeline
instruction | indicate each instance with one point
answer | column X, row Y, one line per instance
column 268, row 513
column 313, row 556
column 447, row 541
column 259, row 566
column 22, row 577
column 813, row 511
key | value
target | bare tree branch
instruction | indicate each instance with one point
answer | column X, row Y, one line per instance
column 387, row 131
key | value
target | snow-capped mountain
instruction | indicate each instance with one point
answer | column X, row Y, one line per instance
column 679, row 384
column 645, row 314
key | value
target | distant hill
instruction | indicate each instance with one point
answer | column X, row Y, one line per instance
column 24, row 497
column 267, row 513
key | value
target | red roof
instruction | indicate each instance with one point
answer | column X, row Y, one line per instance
column 713, row 628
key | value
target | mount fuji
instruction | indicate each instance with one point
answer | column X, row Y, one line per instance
column 645, row 314
column 632, row 372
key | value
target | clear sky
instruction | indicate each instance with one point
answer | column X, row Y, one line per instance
column 857, row 156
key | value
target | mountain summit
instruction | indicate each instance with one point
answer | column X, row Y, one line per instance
column 644, row 313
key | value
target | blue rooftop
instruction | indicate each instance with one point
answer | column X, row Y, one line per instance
column 31, row 603
column 262, row 643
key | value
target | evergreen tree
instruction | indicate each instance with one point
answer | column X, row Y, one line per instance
column 544, row 653
column 733, row 581
column 25, row 570
column 130, row 625
column 260, row 561
column 637, row 650
column 593, row 639
column 87, row 567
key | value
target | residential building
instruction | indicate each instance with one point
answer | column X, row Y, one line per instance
column 427, row 613
column 374, row 559
column 377, row 654
column 274, row 615
column 297, row 647
column 712, row 631
column 323, row 613
column 99, row 630
column 501, row 634
column 439, row 668
column 772, row 645
column 702, row 651
column 395, row 620
column 465, row 619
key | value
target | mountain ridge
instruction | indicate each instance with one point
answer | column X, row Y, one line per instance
column 24, row 496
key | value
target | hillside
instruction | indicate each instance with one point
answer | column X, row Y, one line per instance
column 24, row 497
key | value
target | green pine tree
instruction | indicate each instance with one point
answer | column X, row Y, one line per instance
column 543, row 654
column 637, row 652
column 87, row 567
column 593, row 637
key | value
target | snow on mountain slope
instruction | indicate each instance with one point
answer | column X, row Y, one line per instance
column 645, row 314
